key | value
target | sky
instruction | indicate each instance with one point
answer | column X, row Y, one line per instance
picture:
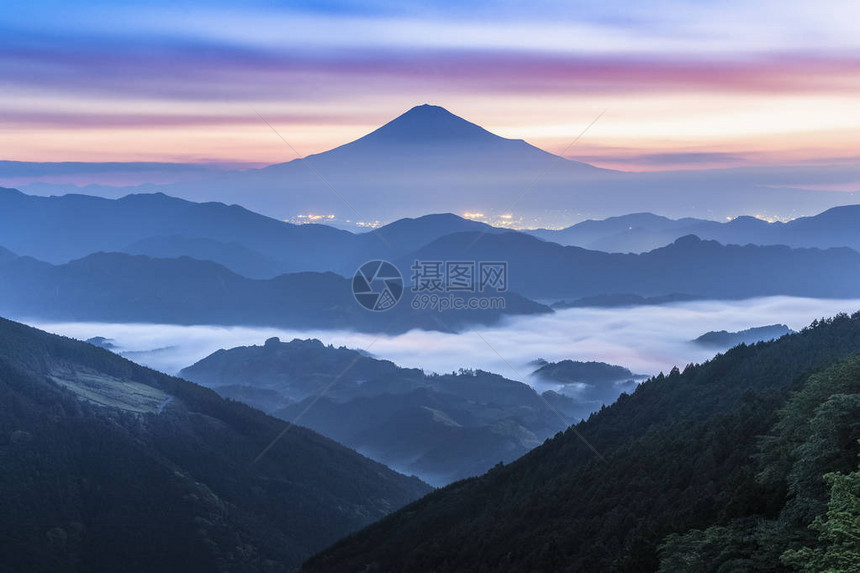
column 684, row 84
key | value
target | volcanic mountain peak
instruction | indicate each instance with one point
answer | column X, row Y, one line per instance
column 428, row 123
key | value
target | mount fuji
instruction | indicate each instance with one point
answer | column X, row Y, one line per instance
column 429, row 160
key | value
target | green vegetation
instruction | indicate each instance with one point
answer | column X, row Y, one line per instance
column 718, row 467
column 816, row 434
column 839, row 530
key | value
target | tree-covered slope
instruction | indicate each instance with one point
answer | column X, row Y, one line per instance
column 678, row 454
column 806, row 454
column 109, row 466
column 439, row 427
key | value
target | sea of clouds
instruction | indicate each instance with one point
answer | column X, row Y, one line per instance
column 646, row 339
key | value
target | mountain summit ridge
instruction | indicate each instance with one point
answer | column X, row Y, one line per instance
column 431, row 132
column 429, row 123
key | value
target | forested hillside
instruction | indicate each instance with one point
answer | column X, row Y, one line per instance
column 109, row 466
column 439, row 427
column 806, row 456
column 716, row 467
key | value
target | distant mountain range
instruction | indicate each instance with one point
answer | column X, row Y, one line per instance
column 245, row 268
column 428, row 160
column 116, row 287
column 690, row 266
column 439, row 427
column 61, row 229
column 642, row 232
column 249, row 269
column 109, row 466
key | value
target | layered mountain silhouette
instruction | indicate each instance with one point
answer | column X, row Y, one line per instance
column 60, row 229
column 633, row 233
column 690, row 266
column 116, row 287
column 109, row 466
column 641, row 232
column 439, row 427
column 429, row 160
column 233, row 255
column 674, row 477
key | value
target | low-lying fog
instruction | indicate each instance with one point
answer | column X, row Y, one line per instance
column 646, row 339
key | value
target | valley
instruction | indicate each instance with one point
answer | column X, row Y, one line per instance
column 429, row 287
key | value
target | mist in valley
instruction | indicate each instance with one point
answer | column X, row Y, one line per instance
column 645, row 339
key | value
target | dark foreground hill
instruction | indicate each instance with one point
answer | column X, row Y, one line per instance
column 683, row 480
column 109, row 466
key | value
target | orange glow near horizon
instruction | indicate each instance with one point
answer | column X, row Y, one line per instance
column 636, row 135
column 684, row 84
